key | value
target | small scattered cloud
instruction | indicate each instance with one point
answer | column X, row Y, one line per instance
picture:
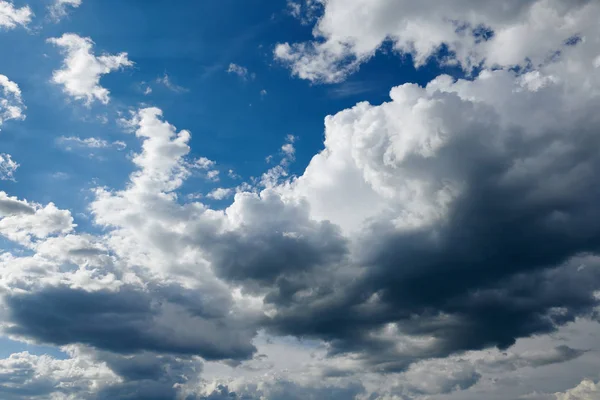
column 347, row 89
column 60, row 8
column 8, row 167
column 240, row 71
column 220, row 194
column 69, row 143
column 213, row 175
column 11, row 104
column 204, row 163
column 167, row 82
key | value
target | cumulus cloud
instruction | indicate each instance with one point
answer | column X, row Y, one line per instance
column 472, row 33
column 60, row 8
column 586, row 390
column 11, row 17
column 81, row 71
column 432, row 235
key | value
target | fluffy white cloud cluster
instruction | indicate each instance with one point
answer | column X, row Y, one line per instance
column 586, row 390
column 10, row 16
column 473, row 33
column 82, row 70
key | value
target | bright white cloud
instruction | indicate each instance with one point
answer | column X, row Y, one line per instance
column 82, row 70
column 476, row 32
column 10, row 16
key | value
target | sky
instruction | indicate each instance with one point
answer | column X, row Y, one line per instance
column 299, row 199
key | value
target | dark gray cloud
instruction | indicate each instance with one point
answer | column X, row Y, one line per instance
column 492, row 271
column 286, row 390
column 9, row 206
column 131, row 320
column 147, row 376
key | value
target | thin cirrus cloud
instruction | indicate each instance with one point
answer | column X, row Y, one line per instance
column 442, row 244
column 74, row 142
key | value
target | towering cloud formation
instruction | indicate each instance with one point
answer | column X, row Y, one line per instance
column 453, row 220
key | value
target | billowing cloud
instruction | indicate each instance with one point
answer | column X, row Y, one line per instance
column 81, row 72
column 469, row 33
column 11, row 17
column 586, row 390
column 435, row 237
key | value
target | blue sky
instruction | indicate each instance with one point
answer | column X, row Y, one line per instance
column 316, row 199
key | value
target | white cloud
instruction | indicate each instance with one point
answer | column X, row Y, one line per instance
column 166, row 81
column 449, row 219
column 29, row 221
column 71, row 142
column 82, row 70
column 586, row 390
column 8, row 167
column 11, row 104
column 60, row 8
column 220, row 194
column 10, row 16
column 349, row 33
column 240, row 71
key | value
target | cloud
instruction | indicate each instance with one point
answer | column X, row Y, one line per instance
column 10, row 16
column 240, row 71
column 586, row 390
column 220, row 193
column 82, row 70
column 23, row 221
column 445, row 188
column 70, row 142
column 8, row 167
column 435, row 237
column 60, row 8
column 472, row 33
column 128, row 321
column 11, row 104
column 166, row 81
